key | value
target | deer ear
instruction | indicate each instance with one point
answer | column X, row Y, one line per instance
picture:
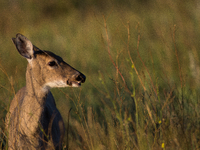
column 24, row 46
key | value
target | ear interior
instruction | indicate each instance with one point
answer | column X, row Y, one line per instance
column 24, row 46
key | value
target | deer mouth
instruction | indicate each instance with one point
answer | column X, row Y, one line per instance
column 77, row 81
column 74, row 83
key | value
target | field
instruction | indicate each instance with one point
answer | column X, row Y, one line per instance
column 141, row 61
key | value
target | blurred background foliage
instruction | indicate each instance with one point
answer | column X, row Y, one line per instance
column 160, row 111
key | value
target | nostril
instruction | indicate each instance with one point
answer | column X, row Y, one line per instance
column 81, row 78
column 78, row 78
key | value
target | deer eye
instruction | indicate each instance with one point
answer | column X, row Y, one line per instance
column 52, row 63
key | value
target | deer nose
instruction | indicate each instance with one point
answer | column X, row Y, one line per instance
column 81, row 77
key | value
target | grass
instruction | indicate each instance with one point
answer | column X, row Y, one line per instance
column 141, row 61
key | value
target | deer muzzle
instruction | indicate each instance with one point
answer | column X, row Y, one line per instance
column 76, row 80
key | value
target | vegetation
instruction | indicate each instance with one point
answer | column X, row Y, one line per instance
column 141, row 60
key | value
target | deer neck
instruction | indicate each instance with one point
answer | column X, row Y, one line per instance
column 33, row 103
column 34, row 86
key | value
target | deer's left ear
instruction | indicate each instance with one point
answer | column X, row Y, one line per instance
column 24, row 46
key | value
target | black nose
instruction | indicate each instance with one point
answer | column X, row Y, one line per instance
column 81, row 77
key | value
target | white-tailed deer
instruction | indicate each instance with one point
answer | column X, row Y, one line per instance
column 33, row 121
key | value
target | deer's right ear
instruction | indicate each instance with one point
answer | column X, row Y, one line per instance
column 24, row 46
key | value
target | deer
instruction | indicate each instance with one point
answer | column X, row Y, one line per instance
column 33, row 120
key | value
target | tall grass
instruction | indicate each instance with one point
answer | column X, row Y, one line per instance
column 141, row 61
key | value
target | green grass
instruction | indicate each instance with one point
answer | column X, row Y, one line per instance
column 141, row 60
